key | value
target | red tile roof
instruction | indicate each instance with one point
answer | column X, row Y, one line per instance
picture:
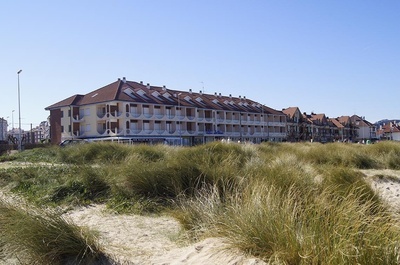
column 155, row 95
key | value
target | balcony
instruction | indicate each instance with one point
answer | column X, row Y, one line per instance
column 148, row 131
column 78, row 118
column 214, row 132
column 78, row 133
column 113, row 114
column 110, row 132
column 135, row 114
column 148, row 115
column 276, row 123
column 171, row 131
column 133, row 131
column 101, row 115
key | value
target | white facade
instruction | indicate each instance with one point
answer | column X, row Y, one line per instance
column 153, row 122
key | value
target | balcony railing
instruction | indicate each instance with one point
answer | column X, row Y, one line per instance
column 135, row 114
column 133, row 131
column 114, row 114
column 78, row 118
column 101, row 115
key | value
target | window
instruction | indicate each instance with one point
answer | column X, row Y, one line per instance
column 69, row 113
column 62, row 114
column 69, row 128
column 87, row 112
column 62, row 128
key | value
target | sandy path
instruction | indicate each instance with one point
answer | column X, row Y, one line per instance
column 133, row 239
column 388, row 186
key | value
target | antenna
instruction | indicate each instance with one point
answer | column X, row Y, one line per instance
column 203, row 87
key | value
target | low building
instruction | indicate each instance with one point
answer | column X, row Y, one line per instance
column 365, row 129
column 134, row 112
column 389, row 131
column 3, row 129
column 320, row 128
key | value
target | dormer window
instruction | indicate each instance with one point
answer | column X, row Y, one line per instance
column 129, row 92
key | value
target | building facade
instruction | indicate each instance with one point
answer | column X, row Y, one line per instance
column 135, row 112
column 3, row 129
column 320, row 128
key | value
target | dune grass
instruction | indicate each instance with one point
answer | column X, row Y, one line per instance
column 35, row 236
column 303, row 203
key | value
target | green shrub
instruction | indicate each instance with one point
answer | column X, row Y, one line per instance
column 99, row 152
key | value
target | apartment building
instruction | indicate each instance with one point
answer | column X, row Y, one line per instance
column 320, row 128
column 365, row 129
column 134, row 112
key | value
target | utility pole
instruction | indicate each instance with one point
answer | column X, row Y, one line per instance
column 19, row 116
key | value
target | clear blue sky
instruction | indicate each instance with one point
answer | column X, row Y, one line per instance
column 332, row 57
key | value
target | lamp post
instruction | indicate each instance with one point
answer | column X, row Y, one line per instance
column 12, row 118
column 19, row 116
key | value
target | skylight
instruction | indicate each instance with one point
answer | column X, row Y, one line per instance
column 129, row 92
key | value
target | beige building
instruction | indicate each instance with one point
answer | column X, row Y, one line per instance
column 134, row 112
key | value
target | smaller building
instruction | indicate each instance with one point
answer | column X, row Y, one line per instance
column 389, row 131
column 320, row 128
column 364, row 129
column 3, row 129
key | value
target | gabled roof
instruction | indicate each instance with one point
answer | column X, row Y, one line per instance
column 345, row 120
column 129, row 91
column 73, row 100
column 336, row 123
column 360, row 121
column 390, row 128
column 291, row 111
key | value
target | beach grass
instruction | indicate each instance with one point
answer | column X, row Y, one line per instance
column 36, row 236
column 286, row 203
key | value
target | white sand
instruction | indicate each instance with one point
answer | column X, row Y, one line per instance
column 133, row 239
column 387, row 188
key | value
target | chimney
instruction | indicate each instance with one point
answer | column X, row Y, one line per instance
column 148, row 86
column 230, row 95
column 240, row 96
column 244, row 97
column 124, row 79
column 201, row 92
column 141, row 82
column 164, row 88
column 190, row 91
column 119, row 79
column 215, row 93
column 219, row 94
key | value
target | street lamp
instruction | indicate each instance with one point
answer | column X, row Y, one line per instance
column 19, row 116
column 12, row 117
